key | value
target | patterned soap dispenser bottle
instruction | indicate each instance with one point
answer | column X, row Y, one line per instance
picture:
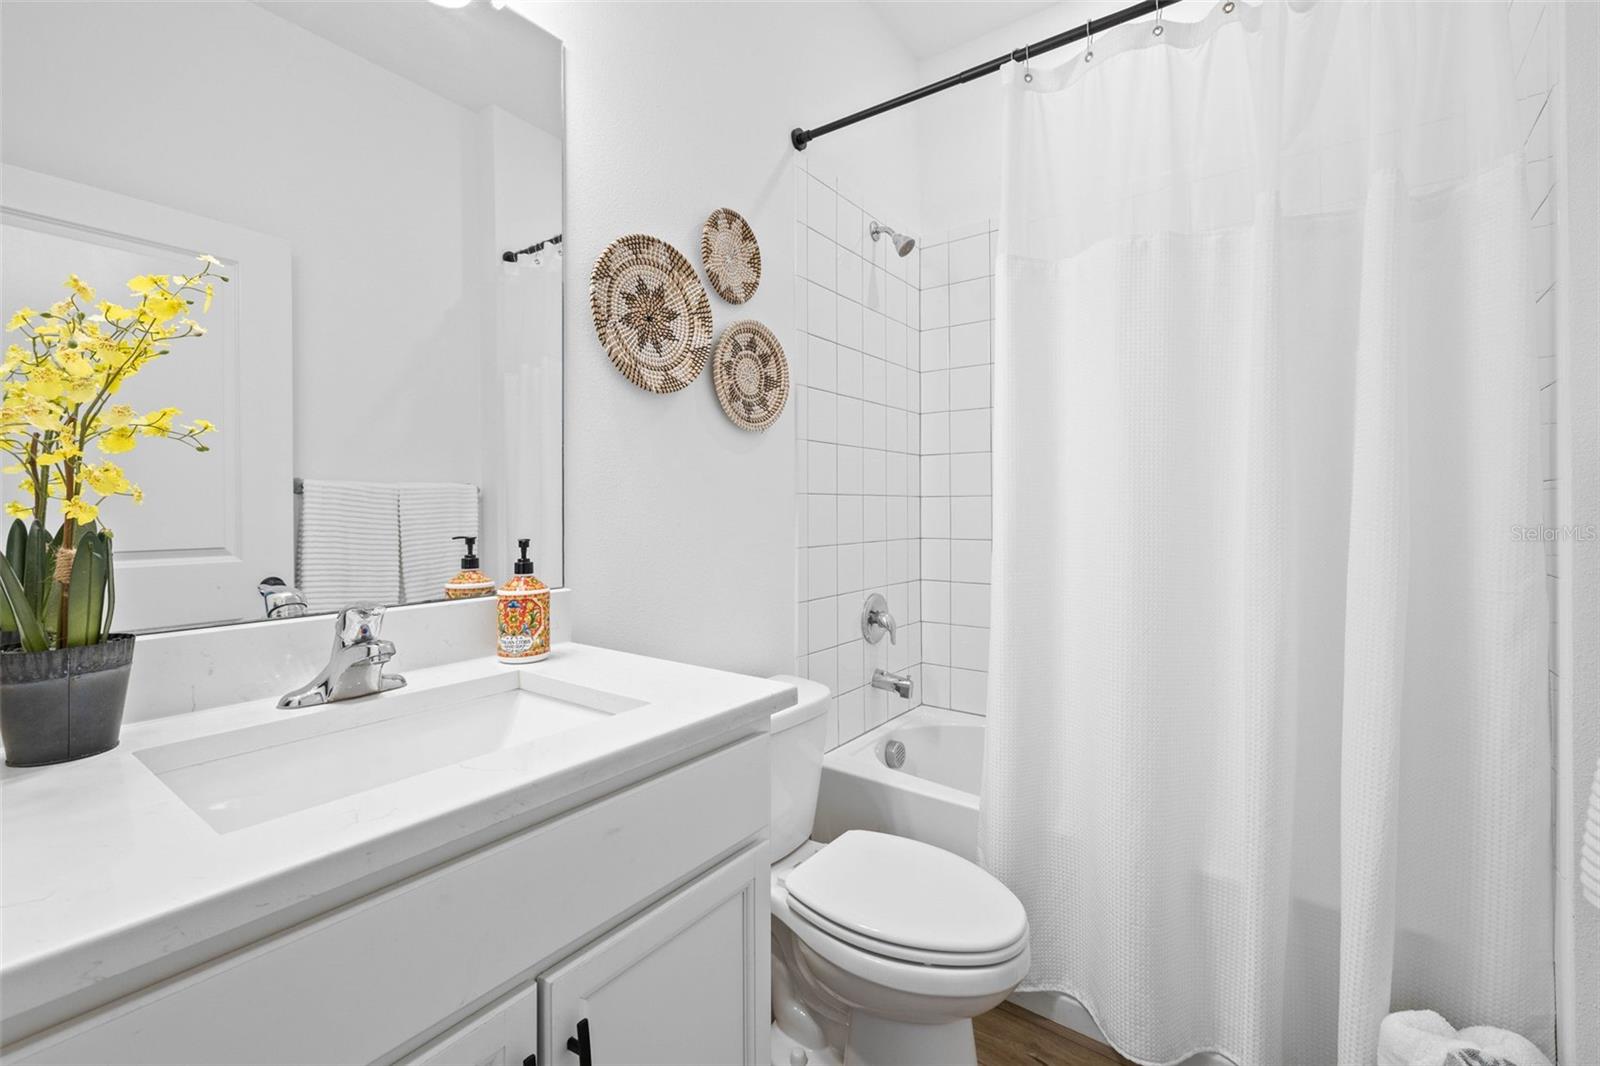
column 470, row 581
column 524, row 614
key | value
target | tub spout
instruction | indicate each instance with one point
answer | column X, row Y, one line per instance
column 899, row 684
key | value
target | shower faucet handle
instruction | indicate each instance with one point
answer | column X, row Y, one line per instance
column 876, row 619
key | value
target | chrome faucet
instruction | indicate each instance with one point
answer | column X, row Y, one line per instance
column 356, row 666
column 876, row 619
column 899, row 684
column 282, row 599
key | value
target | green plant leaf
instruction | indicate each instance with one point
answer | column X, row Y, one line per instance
column 36, row 562
column 86, row 593
column 111, row 581
column 17, row 545
column 19, row 613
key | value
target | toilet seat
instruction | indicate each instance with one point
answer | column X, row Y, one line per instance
column 907, row 900
column 921, row 956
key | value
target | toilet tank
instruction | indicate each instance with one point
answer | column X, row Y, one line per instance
column 798, row 734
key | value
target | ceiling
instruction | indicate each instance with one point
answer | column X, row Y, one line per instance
column 929, row 27
column 475, row 56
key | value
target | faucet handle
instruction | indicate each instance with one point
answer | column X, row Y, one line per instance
column 358, row 622
column 876, row 619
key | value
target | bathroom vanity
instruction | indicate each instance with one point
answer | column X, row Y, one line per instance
column 556, row 865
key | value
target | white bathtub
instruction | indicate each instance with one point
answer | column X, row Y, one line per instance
column 932, row 797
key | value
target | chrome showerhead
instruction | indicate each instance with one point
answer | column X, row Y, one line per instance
column 902, row 243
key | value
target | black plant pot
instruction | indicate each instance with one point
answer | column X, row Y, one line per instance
column 60, row 705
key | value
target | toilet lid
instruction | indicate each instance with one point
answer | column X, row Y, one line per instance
column 906, row 893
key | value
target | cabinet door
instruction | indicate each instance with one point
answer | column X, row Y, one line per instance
column 685, row 982
column 503, row 1034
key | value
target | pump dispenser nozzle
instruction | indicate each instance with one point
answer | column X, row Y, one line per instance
column 469, row 561
column 523, row 565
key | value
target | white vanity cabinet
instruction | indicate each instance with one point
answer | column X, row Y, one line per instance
column 644, row 910
column 678, row 984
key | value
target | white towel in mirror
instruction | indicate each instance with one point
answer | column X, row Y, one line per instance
column 1589, row 859
column 348, row 548
column 431, row 513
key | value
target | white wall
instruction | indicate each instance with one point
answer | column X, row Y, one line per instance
column 360, row 170
column 680, row 528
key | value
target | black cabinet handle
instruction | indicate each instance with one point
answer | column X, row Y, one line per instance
column 579, row 1045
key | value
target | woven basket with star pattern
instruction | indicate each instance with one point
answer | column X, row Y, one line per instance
column 751, row 375
column 731, row 255
column 651, row 313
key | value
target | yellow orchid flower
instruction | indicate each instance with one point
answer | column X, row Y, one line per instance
column 20, row 319
column 79, row 510
column 83, row 291
column 18, row 509
column 107, row 479
column 118, row 414
column 202, row 425
column 73, row 362
column 118, row 440
column 164, row 307
column 145, row 284
column 159, row 423
column 209, row 260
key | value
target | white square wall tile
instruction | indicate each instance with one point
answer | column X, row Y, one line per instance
column 935, row 266
column 874, row 419
column 969, row 430
column 874, row 472
column 969, row 647
column 823, row 565
column 936, row 685
column 970, row 560
column 822, row 364
column 822, row 318
column 969, row 388
column 820, row 254
column 848, row 273
column 936, row 643
column 935, row 391
column 821, row 627
column 969, row 604
column 935, row 516
column 822, row 416
column 850, row 420
column 936, row 559
column 852, row 716
column 969, row 344
column 823, row 668
column 937, row 433
column 822, row 519
column 873, row 339
column 822, row 467
column 970, row 517
column 850, row 514
column 850, row 471
column 849, row 572
column 968, row 691
column 875, row 515
column 936, row 475
column 936, row 601
column 850, row 372
column 874, row 380
column 933, row 349
column 850, row 229
column 969, row 258
column 821, row 208
column 969, row 474
column 969, row 301
column 935, row 307
column 849, row 332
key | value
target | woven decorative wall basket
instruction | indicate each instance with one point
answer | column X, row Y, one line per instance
column 731, row 255
column 751, row 375
column 650, row 312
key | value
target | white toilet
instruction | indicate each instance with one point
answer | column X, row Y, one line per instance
column 883, row 948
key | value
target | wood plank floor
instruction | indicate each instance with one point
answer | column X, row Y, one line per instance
column 1011, row 1036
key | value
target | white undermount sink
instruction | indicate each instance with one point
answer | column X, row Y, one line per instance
column 247, row 776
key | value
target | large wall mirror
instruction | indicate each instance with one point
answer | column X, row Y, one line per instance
column 381, row 183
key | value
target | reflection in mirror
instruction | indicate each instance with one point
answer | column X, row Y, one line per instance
column 381, row 183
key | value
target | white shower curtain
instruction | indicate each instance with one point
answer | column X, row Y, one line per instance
column 1268, row 741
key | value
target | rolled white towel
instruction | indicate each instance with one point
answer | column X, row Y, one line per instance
column 1424, row 1038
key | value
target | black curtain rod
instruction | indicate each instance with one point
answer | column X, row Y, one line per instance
column 539, row 246
column 802, row 137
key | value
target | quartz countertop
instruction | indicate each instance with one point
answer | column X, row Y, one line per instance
column 110, row 882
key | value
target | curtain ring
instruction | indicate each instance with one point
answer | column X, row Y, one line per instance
column 1227, row 9
column 1160, row 27
column 1088, row 35
column 1027, row 74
